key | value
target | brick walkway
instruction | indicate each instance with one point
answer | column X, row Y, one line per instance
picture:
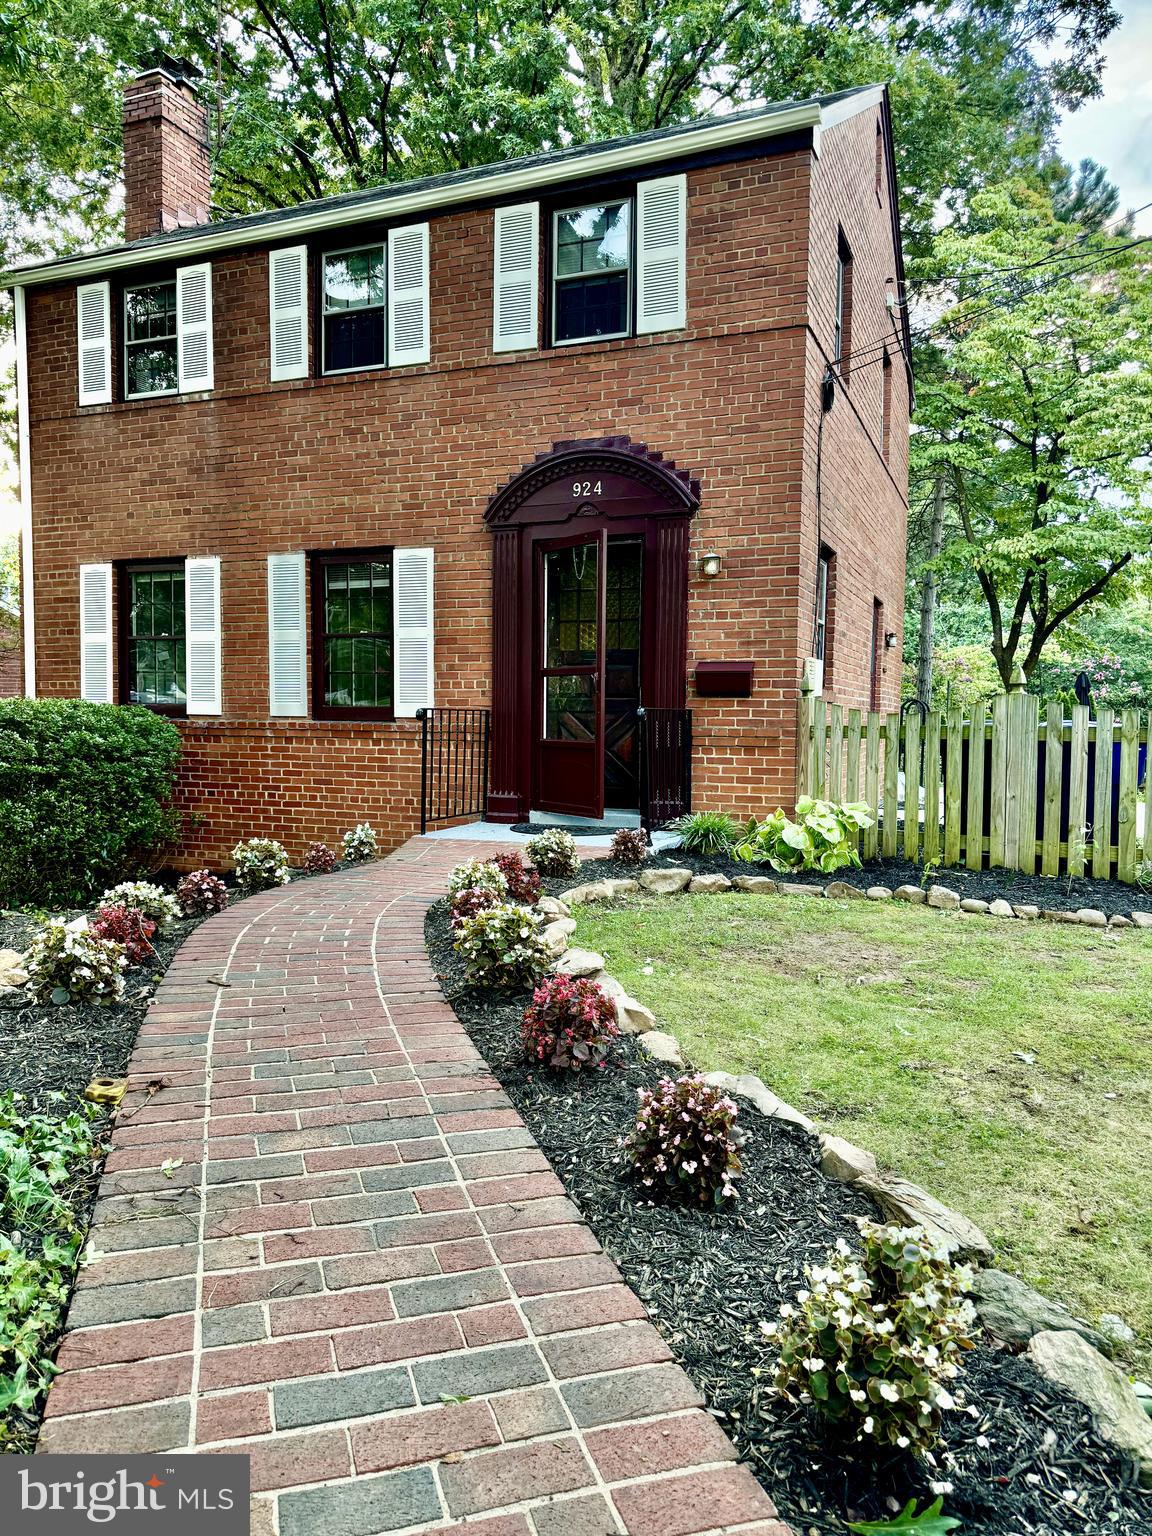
column 330, row 1226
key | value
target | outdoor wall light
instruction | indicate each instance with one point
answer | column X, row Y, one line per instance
column 890, row 640
column 710, row 565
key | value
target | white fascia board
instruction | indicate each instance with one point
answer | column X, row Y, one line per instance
column 859, row 101
column 498, row 185
column 24, row 451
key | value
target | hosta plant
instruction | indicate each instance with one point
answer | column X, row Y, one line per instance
column 74, row 965
column 142, row 896
column 468, row 902
column 710, row 833
column 359, row 845
column 200, row 893
column 823, row 837
column 478, row 875
column 261, row 864
column 875, row 1339
column 504, row 947
column 554, row 852
column 127, row 927
column 523, row 883
column 685, row 1142
column 319, row 860
column 570, row 1023
column 630, row 845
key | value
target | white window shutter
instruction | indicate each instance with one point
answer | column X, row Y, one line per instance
column 202, row 634
column 287, row 639
column 515, row 294
column 96, row 633
column 194, row 326
column 288, row 312
column 661, row 238
column 408, row 328
column 412, row 630
column 94, row 343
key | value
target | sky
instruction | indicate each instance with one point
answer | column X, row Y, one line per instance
column 1115, row 130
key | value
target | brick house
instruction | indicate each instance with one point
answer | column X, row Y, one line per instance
column 621, row 427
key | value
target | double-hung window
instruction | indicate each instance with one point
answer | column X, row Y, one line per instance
column 154, row 629
column 592, row 272
column 354, row 303
column 352, row 615
column 150, row 340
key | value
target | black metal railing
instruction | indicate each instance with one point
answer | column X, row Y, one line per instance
column 665, row 749
column 454, row 746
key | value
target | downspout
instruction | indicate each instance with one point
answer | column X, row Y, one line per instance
column 24, row 460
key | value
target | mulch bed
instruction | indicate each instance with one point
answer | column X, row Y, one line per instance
column 709, row 1278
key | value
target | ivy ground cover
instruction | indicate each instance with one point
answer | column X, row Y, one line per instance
column 1004, row 1066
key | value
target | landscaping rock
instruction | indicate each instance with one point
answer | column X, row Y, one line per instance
column 665, row 882
column 840, row 1160
column 594, row 890
column 1081, row 1370
column 1144, row 1392
column 1119, row 922
column 1118, row 1337
column 1001, row 908
column 911, row 893
column 1027, row 912
column 908, row 1205
column 944, row 897
column 12, row 972
column 787, row 889
column 632, row 1017
column 1015, row 1313
column 840, row 890
column 707, row 883
column 557, row 934
column 879, row 893
column 750, row 1087
column 1057, row 915
column 552, row 906
column 661, row 1047
column 973, row 904
column 1091, row 917
column 622, row 887
column 759, row 883
column 580, row 962
column 1142, row 919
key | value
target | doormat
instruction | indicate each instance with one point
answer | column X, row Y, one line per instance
column 595, row 829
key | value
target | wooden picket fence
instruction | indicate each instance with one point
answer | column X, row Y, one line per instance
column 1001, row 785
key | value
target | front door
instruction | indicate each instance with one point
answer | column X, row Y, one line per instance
column 569, row 669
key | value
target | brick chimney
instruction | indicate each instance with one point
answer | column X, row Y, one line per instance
column 167, row 174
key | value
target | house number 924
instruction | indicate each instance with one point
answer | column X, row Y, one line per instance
column 587, row 488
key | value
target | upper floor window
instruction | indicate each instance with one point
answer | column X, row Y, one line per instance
column 150, row 340
column 154, row 645
column 354, row 306
column 592, row 256
column 842, row 335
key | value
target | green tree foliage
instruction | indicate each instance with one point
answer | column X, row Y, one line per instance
column 1035, row 405
column 1086, row 197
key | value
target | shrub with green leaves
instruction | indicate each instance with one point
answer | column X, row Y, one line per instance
column 710, row 833
column 685, row 1142
column 554, row 852
column 72, row 965
column 478, row 875
column 359, row 845
column 261, row 865
column 504, row 947
column 85, row 797
column 151, row 901
column 874, row 1339
column 823, row 837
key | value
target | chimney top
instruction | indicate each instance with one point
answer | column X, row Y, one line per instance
column 167, row 172
column 179, row 71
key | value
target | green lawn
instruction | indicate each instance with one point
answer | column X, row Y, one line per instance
column 903, row 1030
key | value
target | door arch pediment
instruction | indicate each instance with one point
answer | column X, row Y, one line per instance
column 604, row 477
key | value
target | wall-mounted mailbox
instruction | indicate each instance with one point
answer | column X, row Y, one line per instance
column 724, row 679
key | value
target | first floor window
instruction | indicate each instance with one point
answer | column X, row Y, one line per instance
column 353, row 301
column 592, row 259
column 154, row 639
column 352, row 634
column 823, row 583
column 150, row 366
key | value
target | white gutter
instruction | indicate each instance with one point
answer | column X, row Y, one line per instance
column 498, row 184
column 24, row 459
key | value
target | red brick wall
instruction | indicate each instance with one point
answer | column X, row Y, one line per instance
column 167, row 175
column 410, row 457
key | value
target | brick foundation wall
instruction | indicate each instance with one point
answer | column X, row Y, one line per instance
column 410, row 457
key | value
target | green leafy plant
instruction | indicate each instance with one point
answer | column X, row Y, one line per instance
column 931, row 1521
column 875, row 1338
column 822, row 837
column 261, row 865
column 69, row 965
column 710, row 833
column 630, row 845
column 478, row 875
column 685, row 1142
column 504, row 947
column 151, row 901
column 85, row 797
column 471, row 900
column 554, row 852
column 570, row 1023
column 359, row 846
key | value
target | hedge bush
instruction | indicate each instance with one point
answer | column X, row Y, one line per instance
column 85, row 797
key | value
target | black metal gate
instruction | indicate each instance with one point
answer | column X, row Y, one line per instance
column 454, row 747
column 665, row 750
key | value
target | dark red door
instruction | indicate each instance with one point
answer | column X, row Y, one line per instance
column 568, row 672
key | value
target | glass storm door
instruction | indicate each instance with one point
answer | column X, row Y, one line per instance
column 570, row 677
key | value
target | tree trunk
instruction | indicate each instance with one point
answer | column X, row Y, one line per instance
column 929, row 587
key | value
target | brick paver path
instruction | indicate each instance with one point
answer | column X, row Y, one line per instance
column 329, row 1241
